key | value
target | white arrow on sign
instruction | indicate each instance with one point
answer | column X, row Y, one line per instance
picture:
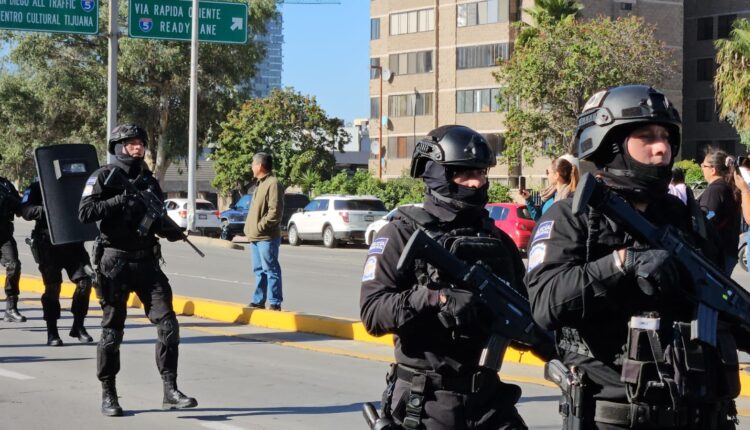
column 236, row 23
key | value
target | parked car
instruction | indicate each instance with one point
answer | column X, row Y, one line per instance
column 515, row 220
column 293, row 202
column 335, row 218
column 373, row 228
column 237, row 211
column 206, row 215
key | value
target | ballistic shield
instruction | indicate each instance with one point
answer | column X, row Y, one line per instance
column 63, row 170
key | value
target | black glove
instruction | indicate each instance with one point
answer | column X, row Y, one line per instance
column 116, row 201
column 655, row 269
column 461, row 310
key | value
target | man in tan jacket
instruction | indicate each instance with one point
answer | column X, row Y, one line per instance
column 263, row 231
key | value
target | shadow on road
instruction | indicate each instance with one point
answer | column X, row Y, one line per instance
column 227, row 413
column 37, row 359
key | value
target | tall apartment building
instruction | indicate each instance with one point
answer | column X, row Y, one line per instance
column 268, row 75
column 441, row 55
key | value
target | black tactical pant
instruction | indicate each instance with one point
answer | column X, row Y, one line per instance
column 123, row 273
column 53, row 259
column 490, row 407
column 9, row 259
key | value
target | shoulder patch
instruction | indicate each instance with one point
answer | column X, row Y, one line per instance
column 378, row 246
column 536, row 256
column 369, row 272
column 26, row 195
column 543, row 231
column 89, row 188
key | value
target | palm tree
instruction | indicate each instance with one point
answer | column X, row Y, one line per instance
column 732, row 81
column 546, row 12
column 552, row 11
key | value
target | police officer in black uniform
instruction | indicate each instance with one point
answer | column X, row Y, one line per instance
column 630, row 338
column 52, row 259
column 436, row 382
column 131, row 262
column 10, row 207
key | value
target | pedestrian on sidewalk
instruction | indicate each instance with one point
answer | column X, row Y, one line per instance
column 263, row 231
column 130, row 261
column 10, row 207
column 52, row 259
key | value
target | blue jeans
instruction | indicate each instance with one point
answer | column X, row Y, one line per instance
column 265, row 254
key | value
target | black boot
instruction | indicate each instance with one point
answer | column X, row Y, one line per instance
column 79, row 331
column 53, row 337
column 11, row 310
column 173, row 398
column 110, row 405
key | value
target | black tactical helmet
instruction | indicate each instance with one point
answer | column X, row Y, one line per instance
column 452, row 146
column 124, row 132
column 611, row 114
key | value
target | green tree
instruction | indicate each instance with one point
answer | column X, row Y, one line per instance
column 693, row 171
column 732, row 80
column 290, row 126
column 68, row 73
column 548, row 79
column 499, row 193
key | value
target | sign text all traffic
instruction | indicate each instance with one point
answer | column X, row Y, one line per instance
column 220, row 22
column 57, row 16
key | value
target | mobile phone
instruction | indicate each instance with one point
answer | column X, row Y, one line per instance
column 522, row 183
column 745, row 173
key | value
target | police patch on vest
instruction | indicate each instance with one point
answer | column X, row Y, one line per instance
column 536, row 256
column 543, row 231
column 89, row 188
column 369, row 272
column 26, row 196
column 378, row 246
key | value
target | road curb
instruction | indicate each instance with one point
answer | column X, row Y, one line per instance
column 237, row 313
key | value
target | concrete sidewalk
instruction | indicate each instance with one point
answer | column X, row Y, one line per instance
column 518, row 366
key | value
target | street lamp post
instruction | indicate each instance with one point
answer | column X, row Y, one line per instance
column 380, row 122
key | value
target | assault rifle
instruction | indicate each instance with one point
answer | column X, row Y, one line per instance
column 714, row 294
column 153, row 205
column 511, row 313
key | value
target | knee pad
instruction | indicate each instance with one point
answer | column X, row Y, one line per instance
column 169, row 331
column 111, row 340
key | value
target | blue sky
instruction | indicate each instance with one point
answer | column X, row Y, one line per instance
column 326, row 54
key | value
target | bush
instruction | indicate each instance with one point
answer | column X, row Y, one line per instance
column 499, row 194
column 693, row 171
column 393, row 193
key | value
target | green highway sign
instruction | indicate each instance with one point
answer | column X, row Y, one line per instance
column 219, row 22
column 56, row 16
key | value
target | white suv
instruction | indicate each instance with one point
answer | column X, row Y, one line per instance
column 334, row 218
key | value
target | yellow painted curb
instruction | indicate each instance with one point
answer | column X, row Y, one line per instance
column 291, row 321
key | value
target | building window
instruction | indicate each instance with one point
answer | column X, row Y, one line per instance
column 401, row 147
column 706, row 28
column 626, row 6
column 471, row 57
column 725, row 26
column 374, row 28
column 374, row 107
column 412, row 22
column 728, row 146
column 483, row 12
column 705, row 69
column 411, row 62
column 472, row 101
column 410, row 105
column 374, row 73
column 704, row 110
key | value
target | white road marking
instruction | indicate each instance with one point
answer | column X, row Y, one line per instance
column 207, row 278
column 15, row 375
column 220, row 426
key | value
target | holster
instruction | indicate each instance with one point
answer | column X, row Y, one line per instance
column 34, row 249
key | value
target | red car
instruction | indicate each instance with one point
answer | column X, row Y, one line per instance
column 515, row 220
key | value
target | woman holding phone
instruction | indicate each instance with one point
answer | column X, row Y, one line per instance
column 562, row 175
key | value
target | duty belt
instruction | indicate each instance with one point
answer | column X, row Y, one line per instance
column 138, row 254
column 466, row 384
column 639, row 415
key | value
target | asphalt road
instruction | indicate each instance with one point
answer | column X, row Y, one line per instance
column 244, row 378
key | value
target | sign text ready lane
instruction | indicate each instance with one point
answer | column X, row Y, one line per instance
column 220, row 22
column 57, row 16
